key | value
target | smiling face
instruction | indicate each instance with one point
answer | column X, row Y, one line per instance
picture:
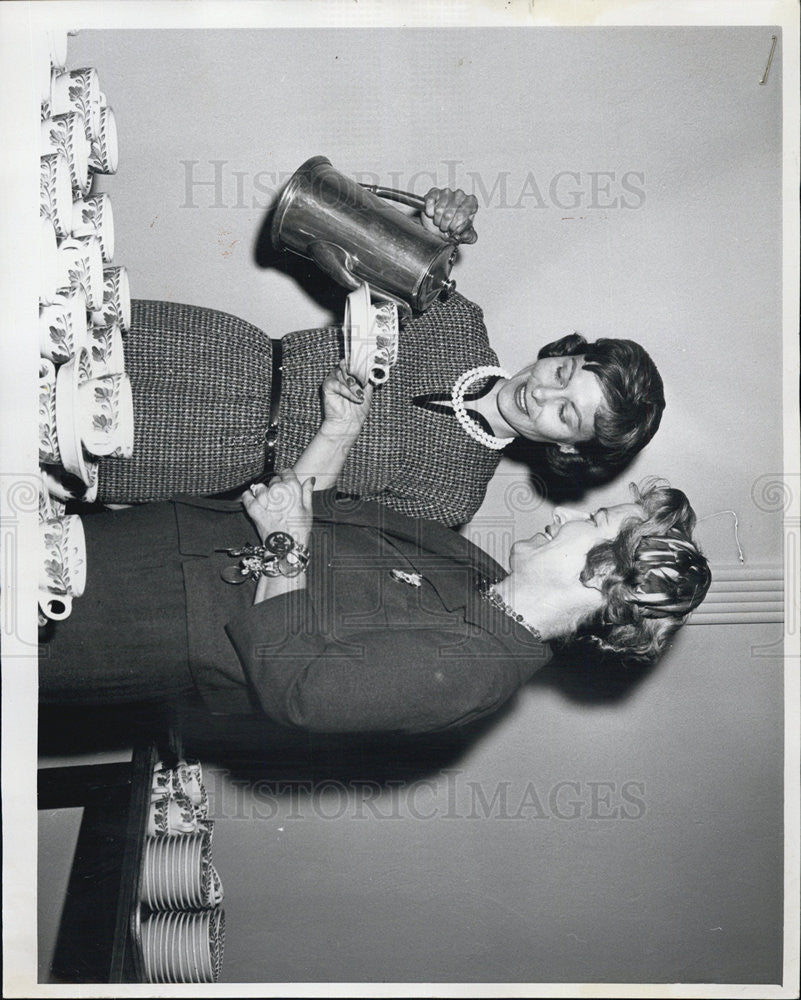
column 558, row 555
column 553, row 401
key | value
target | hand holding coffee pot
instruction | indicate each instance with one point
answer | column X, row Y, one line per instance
column 450, row 214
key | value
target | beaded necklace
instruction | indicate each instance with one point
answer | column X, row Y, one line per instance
column 469, row 425
column 491, row 595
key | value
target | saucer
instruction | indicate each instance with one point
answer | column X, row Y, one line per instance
column 357, row 332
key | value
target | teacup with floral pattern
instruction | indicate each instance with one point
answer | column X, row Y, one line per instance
column 49, row 451
column 106, row 350
column 79, row 262
column 76, row 90
column 62, row 326
column 92, row 216
column 171, row 815
column 105, row 414
column 67, row 134
column 55, row 191
column 63, row 568
column 104, row 149
column 116, row 306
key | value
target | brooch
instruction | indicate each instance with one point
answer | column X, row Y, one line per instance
column 413, row 579
column 280, row 555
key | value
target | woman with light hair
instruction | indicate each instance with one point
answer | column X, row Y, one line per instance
column 328, row 612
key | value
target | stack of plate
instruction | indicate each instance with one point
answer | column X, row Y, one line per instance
column 177, row 872
column 182, row 936
column 183, row 947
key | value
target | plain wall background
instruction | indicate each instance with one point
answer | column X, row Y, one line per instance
column 690, row 890
column 693, row 272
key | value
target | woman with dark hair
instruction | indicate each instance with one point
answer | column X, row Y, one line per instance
column 337, row 614
column 218, row 404
column 633, row 403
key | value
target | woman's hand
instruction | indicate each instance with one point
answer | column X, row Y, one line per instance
column 345, row 407
column 345, row 403
column 284, row 505
column 451, row 214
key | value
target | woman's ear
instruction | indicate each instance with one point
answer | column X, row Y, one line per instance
column 596, row 581
column 568, row 449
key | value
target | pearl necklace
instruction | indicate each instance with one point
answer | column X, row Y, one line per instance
column 491, row 595
column 469, row 425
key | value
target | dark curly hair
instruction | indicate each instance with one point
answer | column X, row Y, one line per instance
column 635, row 398
column 653, row 576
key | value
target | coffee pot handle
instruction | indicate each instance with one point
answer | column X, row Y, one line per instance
column 413, row 201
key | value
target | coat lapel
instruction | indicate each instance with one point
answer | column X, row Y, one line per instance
column 449, row 562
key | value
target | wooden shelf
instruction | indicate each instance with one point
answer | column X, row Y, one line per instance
column 97, row 940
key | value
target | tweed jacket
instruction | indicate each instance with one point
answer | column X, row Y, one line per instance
column 200, row 380
column 201, row 389
column 390, row 633
column 406, row 457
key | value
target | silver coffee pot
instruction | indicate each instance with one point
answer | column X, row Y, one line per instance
column 354, row 236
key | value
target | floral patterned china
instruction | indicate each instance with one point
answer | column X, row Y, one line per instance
column 183, row 947
column 172, row 814
column 62, row 326
column 67, row 134
column 63, row 569
column 92, row 216
column 104, row 151
column 79, row 262
column 96, row 413
column 77, row 90
column 49, row 451
column 176, row 871
column 55, row 192
column 106, row 350
column 116, row 307
column 363, row 326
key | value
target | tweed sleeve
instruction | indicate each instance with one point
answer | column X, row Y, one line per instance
column 447, row 507
column 200, row 380
column 411, row 459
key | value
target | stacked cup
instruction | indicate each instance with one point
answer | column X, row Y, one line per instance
column 63, row 571
column 85, row 400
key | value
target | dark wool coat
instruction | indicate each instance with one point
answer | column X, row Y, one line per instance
column 390, row 634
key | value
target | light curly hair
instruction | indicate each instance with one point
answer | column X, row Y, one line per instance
column 653, row 575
